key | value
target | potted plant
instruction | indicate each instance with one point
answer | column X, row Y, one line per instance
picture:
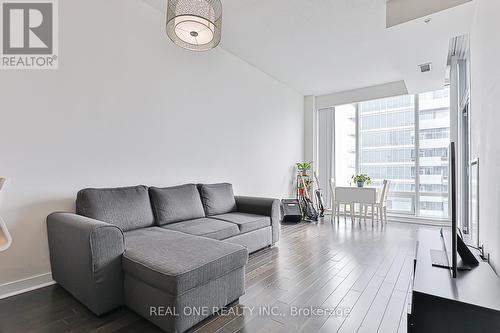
column 361, row 179
column 304, row 167
column 302, row 176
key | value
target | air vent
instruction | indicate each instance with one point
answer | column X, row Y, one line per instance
column 425, row 67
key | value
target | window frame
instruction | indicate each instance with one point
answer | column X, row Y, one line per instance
column 415, row 195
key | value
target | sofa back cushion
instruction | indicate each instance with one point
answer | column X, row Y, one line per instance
column 128, row 208
column 218, row 198
column 174, row 204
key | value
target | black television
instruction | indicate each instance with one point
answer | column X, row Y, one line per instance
column 454, row 233
column 454, row 245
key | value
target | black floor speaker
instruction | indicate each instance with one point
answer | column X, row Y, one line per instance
column 291, row 210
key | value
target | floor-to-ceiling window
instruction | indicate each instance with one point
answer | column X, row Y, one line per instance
column 345, row 147
column 404, row 139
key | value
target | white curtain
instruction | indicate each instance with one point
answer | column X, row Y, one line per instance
column 324, row 165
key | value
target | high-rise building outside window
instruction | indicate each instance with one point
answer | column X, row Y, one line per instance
column 345, row 148
column 387, row 146
column 434, row 139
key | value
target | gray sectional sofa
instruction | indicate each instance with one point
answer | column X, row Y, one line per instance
column 173, row 255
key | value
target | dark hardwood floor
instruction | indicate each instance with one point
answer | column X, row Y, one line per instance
column 358, row 274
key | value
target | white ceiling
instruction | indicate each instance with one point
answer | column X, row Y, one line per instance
column 325, row 46
column 400, row 11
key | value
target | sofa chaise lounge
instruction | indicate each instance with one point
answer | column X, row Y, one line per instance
column 173, row 255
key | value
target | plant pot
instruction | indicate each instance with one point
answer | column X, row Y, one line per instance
column 361, row 184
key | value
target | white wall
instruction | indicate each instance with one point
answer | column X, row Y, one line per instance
column 310, row 129
column 128, row 107
column 485, row 120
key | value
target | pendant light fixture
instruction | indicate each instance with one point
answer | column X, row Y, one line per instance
column 194, row 24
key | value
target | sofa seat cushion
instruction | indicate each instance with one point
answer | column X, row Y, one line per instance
column 126, row 207
column 176, row 262
column 246, row 222
column 206, row 227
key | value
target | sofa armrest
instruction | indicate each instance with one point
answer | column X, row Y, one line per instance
column 262, row 206
column 85, row 257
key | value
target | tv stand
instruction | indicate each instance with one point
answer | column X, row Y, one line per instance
column 439, row 258
column 440, row 303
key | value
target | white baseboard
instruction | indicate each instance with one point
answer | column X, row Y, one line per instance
column 25, row 285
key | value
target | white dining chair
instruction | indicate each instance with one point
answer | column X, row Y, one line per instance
column 333, row 202
column 336, row 204
column 381, row 204
column 5, row 239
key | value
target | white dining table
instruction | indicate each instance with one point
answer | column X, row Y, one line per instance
column 357, row 195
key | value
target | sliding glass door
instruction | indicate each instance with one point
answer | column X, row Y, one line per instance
column 403, row 139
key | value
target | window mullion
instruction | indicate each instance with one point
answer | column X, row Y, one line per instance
column 358, row 140
column 417, row 156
